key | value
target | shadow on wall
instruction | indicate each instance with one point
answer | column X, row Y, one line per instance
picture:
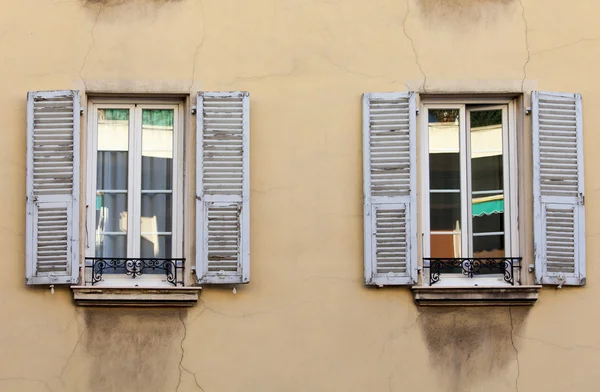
column 469, row 344
column 133, row 349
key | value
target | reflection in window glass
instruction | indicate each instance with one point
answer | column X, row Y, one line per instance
column 157, row 183
column 111, row 183
column 444, row 183
column 487, row 183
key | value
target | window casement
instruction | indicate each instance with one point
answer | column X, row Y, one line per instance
column 135, row 193
column 469, row 193
column 471, row 185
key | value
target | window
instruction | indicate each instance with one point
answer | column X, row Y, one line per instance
column 132, row 230
column 135, row 191
column 462, row 231
column 469, row 193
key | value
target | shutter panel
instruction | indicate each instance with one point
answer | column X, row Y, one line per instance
column 52, row 224
column 223, row 188
column 389, row 173
column 559, row 212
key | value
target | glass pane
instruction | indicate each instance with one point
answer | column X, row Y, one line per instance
column 111, row 182
column 156, row 212
column 445, row 245
column 488, row 245
column 444, row 212
column 157, row 149
column 156, row 245
column 111, row 212
column 111, row 246
column 487, row 182
column 444, row 183
column 157, row 183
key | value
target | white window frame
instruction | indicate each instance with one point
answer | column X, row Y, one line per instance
column 134, row 180
column 510, row 168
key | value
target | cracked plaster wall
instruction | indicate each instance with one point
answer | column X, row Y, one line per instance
column 305, row 322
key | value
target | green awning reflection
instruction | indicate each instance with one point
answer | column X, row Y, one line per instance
column 488, row 207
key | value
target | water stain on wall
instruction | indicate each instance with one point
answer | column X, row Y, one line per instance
column 468, row 12
column 133, row 349
column 468, row 344
column 110, row 3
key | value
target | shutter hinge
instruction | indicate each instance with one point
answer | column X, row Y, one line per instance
column 528, row 110
column 81, row 111
column 580, row 199
column 417, row 111
column 194, row 110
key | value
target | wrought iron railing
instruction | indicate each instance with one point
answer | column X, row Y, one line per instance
column 473, row 266
column 97, row 267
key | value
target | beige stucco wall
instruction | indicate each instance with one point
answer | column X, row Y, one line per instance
column 305, row 322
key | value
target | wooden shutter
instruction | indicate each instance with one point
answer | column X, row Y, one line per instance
column 52, row 224
column 559, row 212
column 389, row 174
column 223, row 188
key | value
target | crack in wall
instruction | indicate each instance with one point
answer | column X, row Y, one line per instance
column 414, row 49
column 526, row 45
column 265, row 76
column 568, row 348
column 92, row 44
column 584, row 39
column 512, row 340
column 181, row 367
column 358, row 73
column 402, row 332
column 34, row 380
column 62, row 372
column 198, row 46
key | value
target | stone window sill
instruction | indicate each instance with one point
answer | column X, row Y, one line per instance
column 475, row 296
column 136, row 296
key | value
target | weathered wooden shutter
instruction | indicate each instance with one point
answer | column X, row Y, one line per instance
column 559, row 213
column 223, row 188
column 389, row 174
column 52, row 224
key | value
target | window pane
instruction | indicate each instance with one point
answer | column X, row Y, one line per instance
column 157, row 149
column 111, row 213
column 157, row 183
column 488, row 246
column 111, row 182
column 155, row 245
column 156, row 212
column 487, row 185
column 111, row 246
column 445, row 246
column 444, row 183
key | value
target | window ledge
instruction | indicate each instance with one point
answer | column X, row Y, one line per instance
column 136, row 296
column 475, row 296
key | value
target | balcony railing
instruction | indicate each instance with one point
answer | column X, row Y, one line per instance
column 97, row 267
column 473, row 266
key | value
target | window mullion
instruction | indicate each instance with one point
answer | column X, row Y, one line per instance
column 92, row 162
column 465, row 176
column 134, row 183
column 506, row 156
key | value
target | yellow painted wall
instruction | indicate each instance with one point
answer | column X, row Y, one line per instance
column 305, row 322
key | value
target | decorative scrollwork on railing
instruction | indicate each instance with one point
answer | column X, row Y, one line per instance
column 473, row 266
column 96, row 267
